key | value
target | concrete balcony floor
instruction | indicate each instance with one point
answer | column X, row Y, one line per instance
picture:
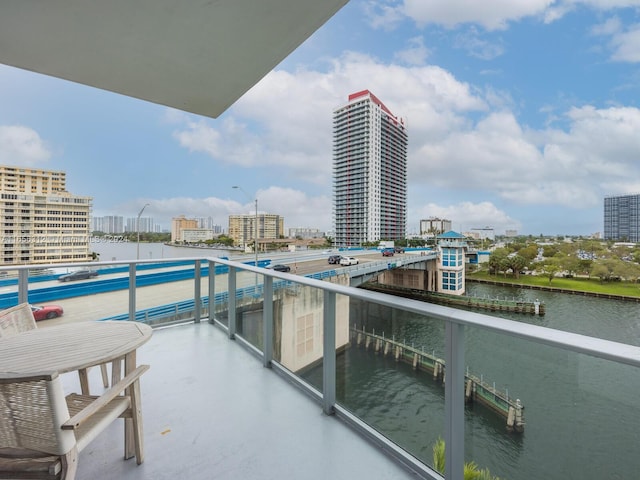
column 212, row 411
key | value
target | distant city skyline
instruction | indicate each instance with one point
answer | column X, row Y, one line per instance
column 522, row 116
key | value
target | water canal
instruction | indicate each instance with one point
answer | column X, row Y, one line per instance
column 582, row 414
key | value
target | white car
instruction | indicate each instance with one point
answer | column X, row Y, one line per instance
column 348, row 261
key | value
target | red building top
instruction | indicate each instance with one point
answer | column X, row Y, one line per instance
column 376, row 100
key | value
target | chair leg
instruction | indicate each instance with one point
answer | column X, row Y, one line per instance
column 105, row 375
column 136, row 415
column 116, row 371
column 84, row 381
column 69, row 465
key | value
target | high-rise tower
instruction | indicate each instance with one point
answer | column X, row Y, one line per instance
column 369, row 172
column 622, row 217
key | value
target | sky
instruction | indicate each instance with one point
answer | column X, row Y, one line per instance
column 522, row 115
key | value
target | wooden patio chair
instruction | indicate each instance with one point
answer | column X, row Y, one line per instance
column 42, row 432
column 20, row 318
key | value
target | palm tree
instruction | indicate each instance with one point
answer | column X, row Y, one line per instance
column 471, row 470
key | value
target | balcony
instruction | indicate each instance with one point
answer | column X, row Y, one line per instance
column 220, row 402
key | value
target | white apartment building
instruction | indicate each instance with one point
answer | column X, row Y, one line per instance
column 369, row 172
column 142, row 224
column 196, row 235
column 40, row 222
column 242, row 228
column 113, row 224
column 305, row 232
column 434, row 225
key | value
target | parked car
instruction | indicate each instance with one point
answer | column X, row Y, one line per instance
column 387, row 252
column 348, row 261
column 334, row 259
column 399, row 250
column 280, row 268
column 78, row 275
column 46, row 312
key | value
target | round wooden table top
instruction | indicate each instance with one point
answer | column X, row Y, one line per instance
column 69, row 347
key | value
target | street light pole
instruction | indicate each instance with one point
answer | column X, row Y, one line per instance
column 255, row 241
column 138, row 230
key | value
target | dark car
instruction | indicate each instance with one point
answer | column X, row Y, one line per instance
column 399, row 250
column 387, row 252
column 46, row 312
column 280, row 268
column 78, row 275
column 334, row 259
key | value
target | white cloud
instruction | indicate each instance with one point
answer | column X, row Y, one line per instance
column 611, row 26
column 298, row 208
column 626, row 45
column 22, row 146
column 624, row 41
column 462, row 140
column 415, row 54
column 383, row 16
column 477, row 46
column 491, row 14
column 290, row 113
column 570, row 168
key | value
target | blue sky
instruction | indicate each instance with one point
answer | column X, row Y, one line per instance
column 521, row 115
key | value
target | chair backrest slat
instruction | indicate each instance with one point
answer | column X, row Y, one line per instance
column 32, row 410
column 16, row 320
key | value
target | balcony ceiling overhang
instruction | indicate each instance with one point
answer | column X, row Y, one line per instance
column 197, row 56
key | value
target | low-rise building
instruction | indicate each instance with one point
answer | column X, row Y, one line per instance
column 196, row 235
column 181, row 223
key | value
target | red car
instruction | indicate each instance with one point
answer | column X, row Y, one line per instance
column 46, row 312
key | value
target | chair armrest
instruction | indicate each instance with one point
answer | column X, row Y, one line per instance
column 95, row 406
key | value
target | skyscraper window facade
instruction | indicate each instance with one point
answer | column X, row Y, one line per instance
column 622, row 218
column 369, row 172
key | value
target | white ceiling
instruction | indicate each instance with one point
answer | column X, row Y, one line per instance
column 194, row 55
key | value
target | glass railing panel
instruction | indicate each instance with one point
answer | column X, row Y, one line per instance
column 164, row 290
column 245, row 294
column 249, row 307
column 220, row 294
column 298, row 329
column 395, row 376
column 389, row 373
column 579, row 414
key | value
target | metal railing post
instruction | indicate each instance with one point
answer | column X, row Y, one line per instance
column 197, row 297
column 454, row 401
column 23, row 286
column 132, row 292
column 212, row 290
column 267, row 321
column 329, row 353
column 232, row 303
